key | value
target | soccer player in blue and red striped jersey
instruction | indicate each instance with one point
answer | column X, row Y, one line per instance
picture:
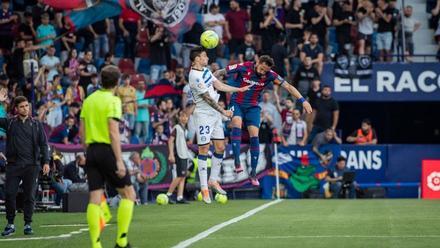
column 245, row 104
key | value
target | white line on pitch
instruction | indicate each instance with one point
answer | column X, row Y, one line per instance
column 215, row 228
column 326, row 236
column 64, row 225
column 61, row 236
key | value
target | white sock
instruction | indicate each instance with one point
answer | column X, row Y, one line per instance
column 179, row 197
column 216, row 167
column 203, row 173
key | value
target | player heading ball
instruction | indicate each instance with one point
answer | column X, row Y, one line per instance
column 208, row 119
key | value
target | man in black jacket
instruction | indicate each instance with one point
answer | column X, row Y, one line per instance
column 26, row 151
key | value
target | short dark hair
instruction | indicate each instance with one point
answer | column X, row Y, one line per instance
column 341, row 158
column 195, row 52
column 125, row 77
column 159, row 102
column 19, row 99
column 367, row 121
column 326, row 86
column 110, row 75
column 266, row 59
column 213, row 6
column 108, row 55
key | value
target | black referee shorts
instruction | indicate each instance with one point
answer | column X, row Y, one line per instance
column 101, row 168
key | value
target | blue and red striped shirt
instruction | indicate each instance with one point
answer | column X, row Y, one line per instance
column 246, row 75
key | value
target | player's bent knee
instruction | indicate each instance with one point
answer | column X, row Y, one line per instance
column 203, row 150
column 127, row 193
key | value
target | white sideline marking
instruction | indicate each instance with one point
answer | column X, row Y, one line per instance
column 61, row 236
column 65, row 225
column 215, row 228
column 327, row 236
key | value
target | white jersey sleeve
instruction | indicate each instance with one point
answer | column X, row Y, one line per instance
column 200, row 82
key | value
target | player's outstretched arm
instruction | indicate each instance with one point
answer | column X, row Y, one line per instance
column 211, row 102
column 227, row 88
column 220, row 73
column 294, row 92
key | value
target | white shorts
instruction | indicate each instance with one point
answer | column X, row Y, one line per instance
column 209, row 127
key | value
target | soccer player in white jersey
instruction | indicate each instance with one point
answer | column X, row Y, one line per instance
column 207, row 116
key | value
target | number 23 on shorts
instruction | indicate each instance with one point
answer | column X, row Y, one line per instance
column 204, row 130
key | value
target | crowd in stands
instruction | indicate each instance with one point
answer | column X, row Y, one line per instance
column 56, row 67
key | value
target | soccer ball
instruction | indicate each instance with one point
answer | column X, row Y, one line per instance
column 222, row 199
column 209, row 39
column 199, row 196
column 162, row 199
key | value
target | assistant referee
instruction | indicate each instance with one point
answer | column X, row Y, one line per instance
column 99, row 126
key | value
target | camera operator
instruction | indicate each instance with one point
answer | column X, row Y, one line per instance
column 335, row 178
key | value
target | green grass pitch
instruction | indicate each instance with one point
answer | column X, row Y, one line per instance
column 290, row 223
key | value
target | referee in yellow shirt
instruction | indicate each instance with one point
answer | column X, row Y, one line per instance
column 100, row 117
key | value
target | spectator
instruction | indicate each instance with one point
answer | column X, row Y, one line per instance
column 138, row 180
column 142, row 124
column 86, row 69
column 327, row 137
column 257, row 17
column 271, row 28
column 334, row 177
column 318, row 19
column 435, row 15
column 314, row 51
column 94, row 86
column 101, row 31
column 40, row 9
column 327, row 113
column 294, row 26
column 124, row 130
column 306, row 76
column 161, row 118
column 74, row 110
column 55, row 96
column 74, row 93
column 270, row 109
column 236, row 19
column 410, row 26
column 190, row 40
column 108, row 60
column 159, row 137
column 247, row 51
column 15, row 67
column 46, row 33
column 68, row 41
column 287, row 111
column 51, row 63
column 7, row 19
column 60, row 135
column 294, row 130
column 266, row 126
column 365, row 19
column 385, row 30
column 59, row 184
column 365, row 135
column 71, row 65
column 129, row 23
column 280, row 57
column 170, row 109
column 215, row 21
column 158, row 44
column 343, row 20
column 127, row 93
column 75, row 172
column 26, row 29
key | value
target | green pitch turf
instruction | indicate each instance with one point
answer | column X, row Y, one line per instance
column 290, row 223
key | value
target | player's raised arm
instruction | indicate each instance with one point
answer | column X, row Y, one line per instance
column 294, row 92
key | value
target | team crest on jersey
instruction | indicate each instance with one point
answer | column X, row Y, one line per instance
column 168, row 12
column 232, row 67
